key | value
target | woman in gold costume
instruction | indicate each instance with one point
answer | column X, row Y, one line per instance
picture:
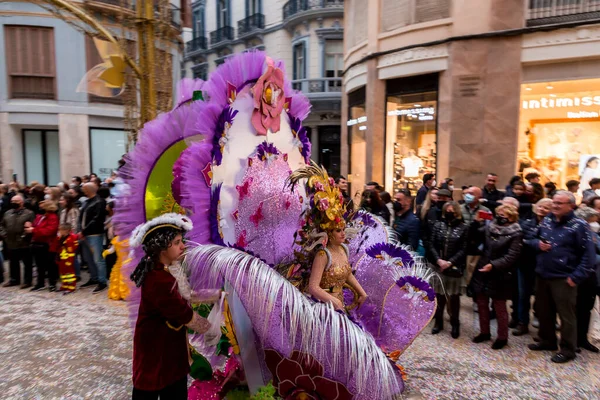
column 324, row 229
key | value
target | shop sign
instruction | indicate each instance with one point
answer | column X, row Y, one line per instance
column 582, row 114
column 358, row 120
column 559, row 102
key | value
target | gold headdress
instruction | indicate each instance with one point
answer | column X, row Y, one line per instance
column 327, row 208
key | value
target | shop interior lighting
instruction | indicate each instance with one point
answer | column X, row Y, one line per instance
column 417, row 105
column 528, row 88
column 362, row 128
column 549, row 87
column 552, row 95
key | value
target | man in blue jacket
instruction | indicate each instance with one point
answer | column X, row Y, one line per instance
column 566, row 259
column 406, row 222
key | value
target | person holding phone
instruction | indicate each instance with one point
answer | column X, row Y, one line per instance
column 566, row 259
column 502, row 242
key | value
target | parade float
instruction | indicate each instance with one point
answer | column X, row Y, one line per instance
column 234, row 157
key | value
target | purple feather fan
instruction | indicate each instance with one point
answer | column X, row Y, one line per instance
column 156, row 136
column 195, row 193
column 392, row 251
column 185, row 90
column 238, row 71
column 215, row 233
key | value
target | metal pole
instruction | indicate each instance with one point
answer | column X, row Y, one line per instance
column 145, row 32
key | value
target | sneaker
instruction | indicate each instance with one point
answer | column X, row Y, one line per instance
column 99, row 288
column 90, row 283
column 37, row 288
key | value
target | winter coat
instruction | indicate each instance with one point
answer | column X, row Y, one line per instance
column 501, row 248
column 448, row 242
column 12, row 228
column 434, row 214
column 597, row 245
column 492, row 198
column 525, row 206
column 92, row 216
column 70, row 217
column 45, row 230
column 407, row 226
column 530, row 249
column 573, row 252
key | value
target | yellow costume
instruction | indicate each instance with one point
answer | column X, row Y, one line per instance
column 118, row 289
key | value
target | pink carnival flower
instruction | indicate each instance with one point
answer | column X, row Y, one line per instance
column 268, row 100
column 323, row 204
column 319, row 186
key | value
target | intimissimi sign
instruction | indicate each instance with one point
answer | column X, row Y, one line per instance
column 561, row 102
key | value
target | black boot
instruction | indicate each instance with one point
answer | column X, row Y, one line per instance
column 439, row 314
column 455, row 315
column 521, row 330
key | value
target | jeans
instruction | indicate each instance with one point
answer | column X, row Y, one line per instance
column 91, row 249
column 526, row 279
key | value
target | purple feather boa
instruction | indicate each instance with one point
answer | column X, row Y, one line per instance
column 185, row 90
column 215, row 232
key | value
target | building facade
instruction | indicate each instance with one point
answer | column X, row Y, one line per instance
column 306, row 34
column 50, row 131
column 464, row 88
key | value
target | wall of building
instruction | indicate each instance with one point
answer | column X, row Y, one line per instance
column 480, row 79
column 71, row 113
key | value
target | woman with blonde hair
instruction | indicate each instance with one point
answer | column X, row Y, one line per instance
column 430, row 200
column 502, row 242
column 526, row 266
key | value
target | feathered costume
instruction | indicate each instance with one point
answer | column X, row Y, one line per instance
column 226, row 160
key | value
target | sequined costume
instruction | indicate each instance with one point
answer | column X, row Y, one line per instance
column 335, row 275
column 66, row 262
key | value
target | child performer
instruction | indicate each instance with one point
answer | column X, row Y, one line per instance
column 160, row 346
column 68, row 244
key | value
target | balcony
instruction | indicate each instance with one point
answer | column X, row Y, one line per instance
column 112, row 5
column 295, row 11
column 252, row 24
column 221, row 35
column 548, row 12
column 320, row 87
column 195, row 46
column 174, row 15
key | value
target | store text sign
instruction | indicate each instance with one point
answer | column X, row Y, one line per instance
column 561, row 102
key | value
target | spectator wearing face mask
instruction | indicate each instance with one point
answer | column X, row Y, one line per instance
column 586, row 290
column 448, row 185
column 492, row 279
column 446, row 252
column 406, row 223
column 469, row 211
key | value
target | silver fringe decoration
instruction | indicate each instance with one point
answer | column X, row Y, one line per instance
column 364, row 359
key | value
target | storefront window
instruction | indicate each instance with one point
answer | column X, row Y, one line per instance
column 357, row 143
column 42, row 160
column 107, row 148
column 560, row 131
column 410, row 139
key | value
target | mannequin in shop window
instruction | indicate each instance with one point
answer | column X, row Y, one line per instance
column 589, row 172
column 412, row 164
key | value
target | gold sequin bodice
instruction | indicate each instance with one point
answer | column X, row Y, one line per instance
column 336, row 274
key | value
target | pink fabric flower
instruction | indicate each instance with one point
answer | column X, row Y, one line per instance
column 268, row 100
column 323, row 204
column 319, row 186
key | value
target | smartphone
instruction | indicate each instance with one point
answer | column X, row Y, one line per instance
column 545, row 241
column 485, row 215
column 14, row 177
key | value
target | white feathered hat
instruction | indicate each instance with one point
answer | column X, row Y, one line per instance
column 171, row 220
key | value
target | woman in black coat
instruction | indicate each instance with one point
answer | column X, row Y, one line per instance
column 372, row 203
column 503, row 239
column 446, row 251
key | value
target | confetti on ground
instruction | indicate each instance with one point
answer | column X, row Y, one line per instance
column 78, row 347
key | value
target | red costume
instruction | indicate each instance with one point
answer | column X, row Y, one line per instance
column 160, row 346
column 45, row 227
column 66, row 262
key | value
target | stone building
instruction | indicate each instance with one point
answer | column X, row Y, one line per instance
column 468, row 87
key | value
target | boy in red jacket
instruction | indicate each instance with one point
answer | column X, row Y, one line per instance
column 68, row 244
column 44, row 244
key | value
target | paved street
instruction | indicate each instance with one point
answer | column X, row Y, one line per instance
column 79, row 347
